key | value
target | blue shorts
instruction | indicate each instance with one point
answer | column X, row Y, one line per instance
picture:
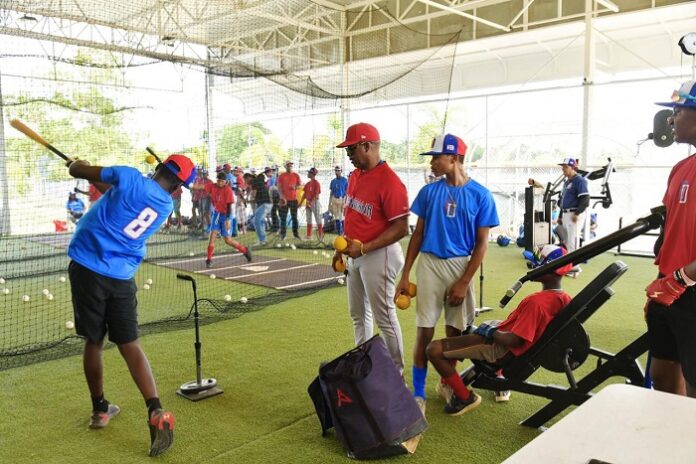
column 217, row 224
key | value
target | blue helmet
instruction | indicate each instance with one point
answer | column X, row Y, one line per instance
column 503, row 241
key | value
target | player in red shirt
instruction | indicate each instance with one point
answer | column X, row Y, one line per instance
column 376, row 218
column 311, row 192
column 495, row 340
column 240, row 192
column 287, row 185
column 201, row 202
column 222, row 198
column 671, row 308
column 93, row 192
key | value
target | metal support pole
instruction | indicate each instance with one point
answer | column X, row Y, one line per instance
column 5, row 228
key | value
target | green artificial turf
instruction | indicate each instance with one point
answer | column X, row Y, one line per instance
column 264, row 361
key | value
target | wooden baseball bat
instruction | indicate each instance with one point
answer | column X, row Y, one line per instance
column 23, row 128
column 149, row 150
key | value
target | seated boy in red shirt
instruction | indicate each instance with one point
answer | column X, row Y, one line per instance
column 493, row 340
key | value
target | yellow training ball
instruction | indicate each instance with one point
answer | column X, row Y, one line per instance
column 149, row 159
column 340, row 244
column 412, row 290
column 339, row 266
column 403, row 301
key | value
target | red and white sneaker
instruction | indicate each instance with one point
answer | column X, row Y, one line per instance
column 161, row 426
column 99, row 419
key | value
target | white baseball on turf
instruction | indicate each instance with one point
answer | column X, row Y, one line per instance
column 243, row 299
column 148, row 281
column 25, row 298
column 341, row 281
column 69, row 325
column 61, row 279
column 146, row 287
column 2, row 281
column 49, row 296
column 287, row 245
column 228, row 298
column 191, row 253
column 212, row 276
column 6, row 291
column 293, row 247
column 280, row 245
column 315, row 252
column 45, row 291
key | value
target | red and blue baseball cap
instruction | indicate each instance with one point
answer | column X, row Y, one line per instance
column 182, row 167
column 360, row 132
column 447, row 144
column 572, row 162
column 312, row 170
column 685, row 97
column 545, row 254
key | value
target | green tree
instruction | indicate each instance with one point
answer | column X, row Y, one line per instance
column 249, row 145
column 81, row 121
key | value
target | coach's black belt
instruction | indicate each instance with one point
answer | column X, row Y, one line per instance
column 568, row 210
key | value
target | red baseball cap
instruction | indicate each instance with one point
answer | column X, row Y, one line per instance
column 360, row 132
column 182, row 167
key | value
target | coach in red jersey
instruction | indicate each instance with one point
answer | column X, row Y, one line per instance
column 671, row 307
column 376, row 218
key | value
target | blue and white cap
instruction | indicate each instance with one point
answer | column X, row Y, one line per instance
column 447, row 144
column 685, row 97
column 572, row 162
column 545, row 254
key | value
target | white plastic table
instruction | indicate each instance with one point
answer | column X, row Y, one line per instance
column 622, row 424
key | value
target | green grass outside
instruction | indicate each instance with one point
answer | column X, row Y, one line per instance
column 264, row 361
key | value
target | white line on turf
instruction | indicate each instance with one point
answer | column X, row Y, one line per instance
column 271, row 272
column 237, row 266
column 307, row 283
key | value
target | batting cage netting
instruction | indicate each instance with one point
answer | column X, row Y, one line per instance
column 248, row 85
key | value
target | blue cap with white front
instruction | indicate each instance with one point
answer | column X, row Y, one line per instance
column 572, row 162
column 685, row 97
column 447, row 144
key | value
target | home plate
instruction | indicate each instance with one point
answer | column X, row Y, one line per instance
column 255, row 268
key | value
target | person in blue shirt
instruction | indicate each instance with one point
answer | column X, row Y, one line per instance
column 106, row 249
column 75, row 207
column 575, row 198
column 337, row 198
column 455, row 215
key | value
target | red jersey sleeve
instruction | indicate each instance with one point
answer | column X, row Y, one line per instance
column 527, row 319
column 229, row 197
column 394, row 198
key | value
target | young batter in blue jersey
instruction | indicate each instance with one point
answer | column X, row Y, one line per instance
column 455, row 215
column 105, row 251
